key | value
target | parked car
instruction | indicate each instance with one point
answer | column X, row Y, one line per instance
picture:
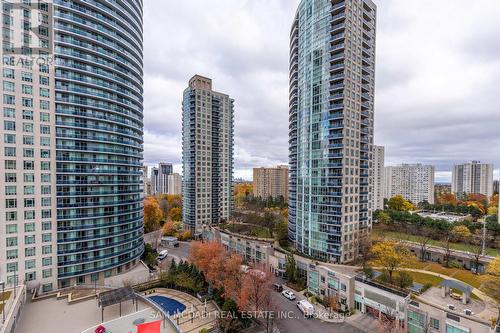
column 163, row 254
column 278, row 287
column 288, row 294
column 306, row 308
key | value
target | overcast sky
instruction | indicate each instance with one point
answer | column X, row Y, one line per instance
column 437, row 97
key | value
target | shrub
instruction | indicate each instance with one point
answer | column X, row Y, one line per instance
column 404, row 280
column 368, row 271
column 426, row 287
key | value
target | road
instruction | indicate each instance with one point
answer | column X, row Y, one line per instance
column 292, row 320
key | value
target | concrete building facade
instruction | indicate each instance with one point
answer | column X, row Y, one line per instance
column 332, row 72
column 207, row 154
column 174, row 184
column 270, row 182
column 415, row 182
column 473, row 177
column 378, row 177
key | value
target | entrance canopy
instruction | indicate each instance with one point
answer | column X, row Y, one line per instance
column 116, row 296
column 454, row 284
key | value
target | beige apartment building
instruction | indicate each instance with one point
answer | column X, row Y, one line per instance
column 270, row 182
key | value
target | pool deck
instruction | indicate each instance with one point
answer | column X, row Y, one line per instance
column 196, row 316
column 126, row 323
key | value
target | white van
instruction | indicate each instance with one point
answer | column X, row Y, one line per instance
column 163, row 254
column 306, row 308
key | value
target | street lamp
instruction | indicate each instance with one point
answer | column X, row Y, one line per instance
column 2, row 283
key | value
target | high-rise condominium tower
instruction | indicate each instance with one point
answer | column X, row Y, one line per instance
column 174, row 184
column 415, row 182
column 159, row 178
column 271, row 182
column 207, row 154
column 332, row 71
column 474, row 177
column 71, row 141
column 378, row 177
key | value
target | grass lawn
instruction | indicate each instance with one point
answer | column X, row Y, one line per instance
column 248, row 230
column 423, row 278
column 455, row 246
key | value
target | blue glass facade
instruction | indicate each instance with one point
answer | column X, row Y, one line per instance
column 99, row 134
column 332, row 50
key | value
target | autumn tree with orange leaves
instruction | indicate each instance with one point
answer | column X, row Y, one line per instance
column 221, row 268
column 255, row 295
column 152, row 214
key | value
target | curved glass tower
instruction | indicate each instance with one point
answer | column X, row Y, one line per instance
column 99, row 136
column 332, row 59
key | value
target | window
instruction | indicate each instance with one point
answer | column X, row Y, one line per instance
column 47, row 249
column 45, row 177
column 11, row 216
column 46, row 273
column 44, row 141
column 47, row 261
column 45, row 189
column 27, row 115
column 9, row 138
column 44, row 153
column 27, row 128
column 27, row 89
column 11, row 229
column 10, row 177
column 29, row 165
column 29, row 252
column 29, row 189
column 12, row 254
column 29, row 215
column 44, row 92
column 8, row 73
column 30, row 276
column 12, row 267
column 435, row 323
column 46, row 238
column 44, row 105
column 9, row 151
column 29, row 264
column 29, row 239
column 10, row 203
column 45, row 165
column 28, row 102
column 44, row 80
column 28, row 140
column 46, row 214
column 10, row 164
column 46, row 202
column 11, row 241
column 28, row 152
column 9, row 125
column 29, row 227
column 9, row 112
column 44, row 129
column 9, row 86
column 27, row 77
column 9, row 99
column 47, row 225
column 10, row 190
column 29, row 202
column 44, row 116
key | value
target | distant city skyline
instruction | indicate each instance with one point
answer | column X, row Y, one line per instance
column 246, row 52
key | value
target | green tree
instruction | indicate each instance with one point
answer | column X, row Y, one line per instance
column 291, row 269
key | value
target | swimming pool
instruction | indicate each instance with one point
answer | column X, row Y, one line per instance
column 169, row 305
